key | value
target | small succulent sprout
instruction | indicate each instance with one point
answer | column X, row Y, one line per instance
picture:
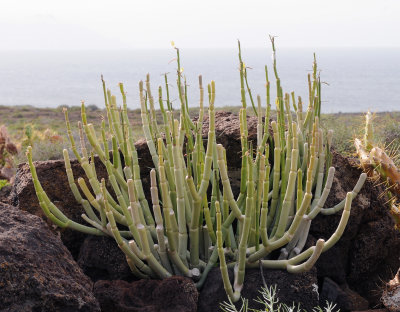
column 369, row 131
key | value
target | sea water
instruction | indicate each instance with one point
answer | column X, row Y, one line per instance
column 354, row 79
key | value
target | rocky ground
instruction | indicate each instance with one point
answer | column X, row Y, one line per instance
column 45, row 269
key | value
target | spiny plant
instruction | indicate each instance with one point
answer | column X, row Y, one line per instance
column 380, row 164
column 195, row 220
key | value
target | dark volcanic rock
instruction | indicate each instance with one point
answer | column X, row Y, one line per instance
column 37, row 273
column 175, row 294
column 101, row 259
column 373, row 310
column 299, row 288
column 227, row 133
column 369, row 250
column 344, row 298
column 5, row 193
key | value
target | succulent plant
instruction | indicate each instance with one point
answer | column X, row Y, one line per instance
column 195, row 220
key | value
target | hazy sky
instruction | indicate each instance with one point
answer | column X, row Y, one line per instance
column 123, row 24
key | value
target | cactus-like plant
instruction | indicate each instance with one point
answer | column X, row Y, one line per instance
column 194, row 221
column 378, row 164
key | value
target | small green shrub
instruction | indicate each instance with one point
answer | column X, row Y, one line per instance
column 271, row 303
column 3, row 183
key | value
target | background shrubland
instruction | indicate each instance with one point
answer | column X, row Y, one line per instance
column 16, row 118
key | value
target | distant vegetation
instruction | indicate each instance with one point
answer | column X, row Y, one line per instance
column 17, row 118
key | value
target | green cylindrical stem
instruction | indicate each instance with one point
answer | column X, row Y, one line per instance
column 239, row 277
column 224, row 270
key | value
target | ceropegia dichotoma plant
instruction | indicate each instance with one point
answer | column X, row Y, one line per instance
column 194, row 220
